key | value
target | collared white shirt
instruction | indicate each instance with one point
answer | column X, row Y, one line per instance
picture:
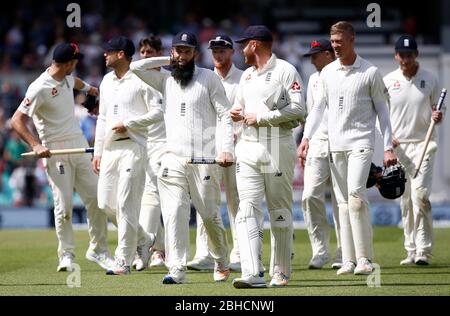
column 230, row 83
column 127, row 100
column 410, row 103
column 311, row 95
column 190, row 112
column 355, row 95
column 256, row 88
column 51, row 105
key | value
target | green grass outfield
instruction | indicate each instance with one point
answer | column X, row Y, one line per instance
column 28, row 267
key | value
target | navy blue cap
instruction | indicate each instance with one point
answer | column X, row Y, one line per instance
column 221, row 41
column 66, row 52
column 256, row 32
column 406, row 43
column 120, row 43
column 320, row 45
column 184, row 39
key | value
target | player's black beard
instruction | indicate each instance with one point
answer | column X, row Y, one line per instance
column 183, row 74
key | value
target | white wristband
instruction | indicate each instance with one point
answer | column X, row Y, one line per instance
column 86, row 87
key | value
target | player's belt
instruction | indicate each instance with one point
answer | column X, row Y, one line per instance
column 119, row 139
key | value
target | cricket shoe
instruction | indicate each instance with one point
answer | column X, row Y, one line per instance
column 157, row 259
column 176, row 276
column 66, row 262
column 279, row 279
column 119, row 268
column 347, row 268
column 201, row 264
column 409, row 260
column 422, row 259
column 221, row 272
column 102, row 259
column 250, row 281
column 317, row 262
column 364, row 267
column 337, row 263
column 143, row 253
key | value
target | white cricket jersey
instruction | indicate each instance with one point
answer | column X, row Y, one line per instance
column 51, row 105
column 190, row 112
column 157, row 130
column 311, row 95
column 410, row 103
column 127, row 100
column 230, row 83
column 255, row 89
column 354, row 95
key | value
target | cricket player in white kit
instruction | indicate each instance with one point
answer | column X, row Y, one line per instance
column 194, row 99
column 222, row 52
column 126, row 110
column 414, row 93
column 270, row 103
column 353, row 91
column 49, row 101
column 150, row 217
column 317, row 171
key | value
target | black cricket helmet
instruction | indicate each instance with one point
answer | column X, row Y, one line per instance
column 392, row 183
column 374, row 175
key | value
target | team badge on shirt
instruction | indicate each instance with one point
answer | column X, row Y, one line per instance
column 397, row 85
column 296, row 86
column 54, row 92
column 26, row 102
column 248, row 77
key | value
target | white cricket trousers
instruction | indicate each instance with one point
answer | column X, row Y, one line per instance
column 415, row 203
column 66, row 172
column 120, row 187
column 349, row 171
column 178, row 184
column 316, row 175
column 150, row 217
column 228, row 176
column 265, row 170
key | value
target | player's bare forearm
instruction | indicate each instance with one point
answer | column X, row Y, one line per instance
column 18, row 123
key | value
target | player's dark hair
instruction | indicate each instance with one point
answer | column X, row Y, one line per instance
column 152, row 41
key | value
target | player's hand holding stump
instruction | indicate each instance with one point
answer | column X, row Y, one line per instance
column 42, row 151
column 225, row 159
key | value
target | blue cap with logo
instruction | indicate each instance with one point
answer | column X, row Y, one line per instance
column 256, row 32
column 406, row 43
column 66, row 52
column 120, row 43
column 319, row 46
column 221, row 41
column 185, row 39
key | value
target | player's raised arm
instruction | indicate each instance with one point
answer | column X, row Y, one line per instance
column 144, row 69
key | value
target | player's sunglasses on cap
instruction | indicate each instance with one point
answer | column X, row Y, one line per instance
column 66, row 52
column 221, row 41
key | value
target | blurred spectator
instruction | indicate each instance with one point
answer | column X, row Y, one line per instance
column 14, row 147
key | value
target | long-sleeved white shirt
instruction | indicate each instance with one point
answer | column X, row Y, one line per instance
column 311, row 96
column 256, row 88
column 127, row 100
column 410, row 103
column 192, row 111
column 230, row 83
column 51, row 105
column 355, row 95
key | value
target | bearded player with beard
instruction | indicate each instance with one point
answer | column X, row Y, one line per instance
column 195, row 98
